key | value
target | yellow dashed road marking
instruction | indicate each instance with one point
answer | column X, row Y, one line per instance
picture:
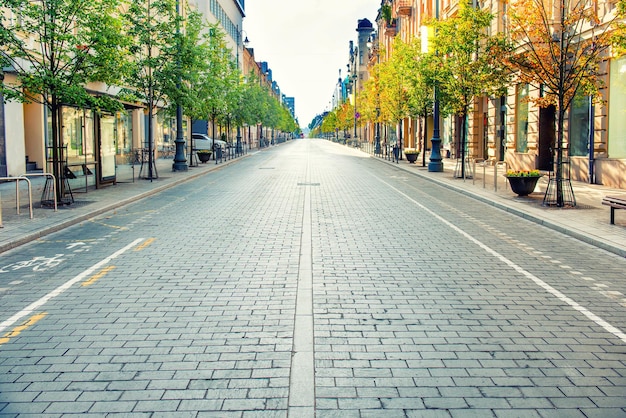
column 97, row 276
column 18, row 330
column 145, row 244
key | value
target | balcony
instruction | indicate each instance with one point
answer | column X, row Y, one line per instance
column 404, row 7
column 390, row 28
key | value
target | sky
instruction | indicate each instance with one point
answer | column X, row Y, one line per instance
column 305, row 43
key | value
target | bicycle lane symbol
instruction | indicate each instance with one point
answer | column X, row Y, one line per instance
column 38, row 263
column 41, row 263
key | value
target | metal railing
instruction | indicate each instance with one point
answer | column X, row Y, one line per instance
column 488, row 163
column 17, row 192
column 54, row 185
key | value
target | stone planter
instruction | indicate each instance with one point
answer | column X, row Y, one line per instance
column 411, row 158
column 204, row 156
column 523, row 186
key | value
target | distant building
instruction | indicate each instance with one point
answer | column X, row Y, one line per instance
column 290, row 102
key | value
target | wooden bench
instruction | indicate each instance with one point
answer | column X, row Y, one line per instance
column 615, row 203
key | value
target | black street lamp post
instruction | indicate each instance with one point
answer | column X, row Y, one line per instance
column 435, row 164
column 372, row 44
column 238, row 149
column 353, row 68
column 180, row 162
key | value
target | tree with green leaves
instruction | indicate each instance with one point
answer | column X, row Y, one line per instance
column 154, row 69
column 469, row 63
column 330, row 123
column 370, row 103
column 191, row 60
column 216, row 81
column 253, row 104
column 395, row 85
column 561, row 58
column 55, row 47
column 420, row 76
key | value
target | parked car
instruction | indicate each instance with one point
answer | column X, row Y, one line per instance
column 202, row 141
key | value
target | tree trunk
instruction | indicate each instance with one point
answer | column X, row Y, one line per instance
column 463, row 140
column 58, row 158
column 150, row 138
column 559, row 155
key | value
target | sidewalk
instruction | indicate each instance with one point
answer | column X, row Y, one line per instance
column 588, row 222
column 20, row 229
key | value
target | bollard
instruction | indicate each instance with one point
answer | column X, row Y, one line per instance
column 495, row 174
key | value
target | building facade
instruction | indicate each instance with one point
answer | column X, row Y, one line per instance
column 511, row 128
column 95, row 143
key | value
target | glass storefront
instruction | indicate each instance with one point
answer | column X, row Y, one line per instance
column 579, row 127
column 107, row 148
column 90, row 143
column 78, row 135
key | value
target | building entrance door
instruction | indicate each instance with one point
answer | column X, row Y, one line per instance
column 547, row 135
column 107, row 148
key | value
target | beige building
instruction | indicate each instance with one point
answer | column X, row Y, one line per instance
column 96, row 143
column 511, row 129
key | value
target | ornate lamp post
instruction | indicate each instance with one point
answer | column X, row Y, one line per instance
column 238, row 149
column 180, row 162
column 354, row 51
column 436, row 163
column 372, row 44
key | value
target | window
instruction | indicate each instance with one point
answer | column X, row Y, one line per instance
column 617, row 109
column 579, row 127
column 521, row 118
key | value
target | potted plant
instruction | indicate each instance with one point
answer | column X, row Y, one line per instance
column 204, row 155
column 411, row 154
column 523, row 182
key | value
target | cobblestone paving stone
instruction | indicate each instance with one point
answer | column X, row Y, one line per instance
column 411, row 318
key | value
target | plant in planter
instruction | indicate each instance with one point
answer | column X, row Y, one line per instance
column 385, row 11
column 523, row 182
column 204, row 155
column 411, row 154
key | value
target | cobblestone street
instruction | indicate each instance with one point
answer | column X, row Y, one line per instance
column 291, row 284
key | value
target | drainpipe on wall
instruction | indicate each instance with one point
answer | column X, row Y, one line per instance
column 592, row 159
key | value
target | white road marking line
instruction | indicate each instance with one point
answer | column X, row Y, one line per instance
column 56, row 292
column 556, row 293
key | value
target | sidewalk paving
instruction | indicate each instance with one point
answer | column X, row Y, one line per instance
column 588, row 221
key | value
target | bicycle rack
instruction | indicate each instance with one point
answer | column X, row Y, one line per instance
column 17, row 193
column 54, row 186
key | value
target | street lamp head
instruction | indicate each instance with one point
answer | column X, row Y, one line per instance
column 246, row 42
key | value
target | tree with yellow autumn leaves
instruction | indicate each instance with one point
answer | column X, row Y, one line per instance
column 559, row 51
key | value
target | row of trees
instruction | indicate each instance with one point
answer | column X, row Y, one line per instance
column 161, row 55
column 464, row 61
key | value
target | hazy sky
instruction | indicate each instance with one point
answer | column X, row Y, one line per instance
column 305, row 43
